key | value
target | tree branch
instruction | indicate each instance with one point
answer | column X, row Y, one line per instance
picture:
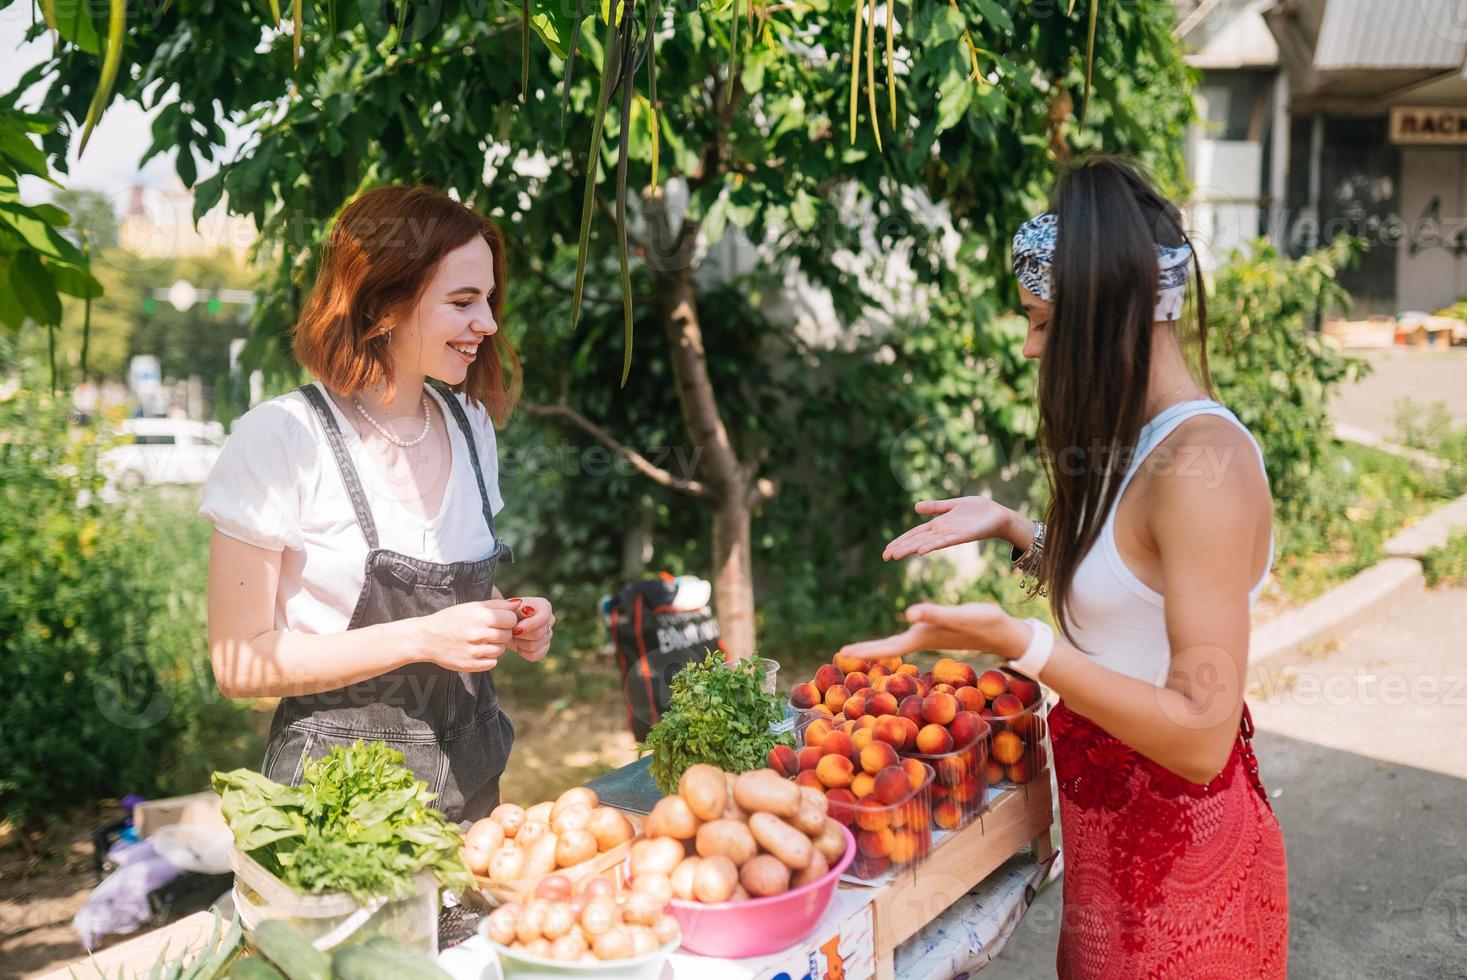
column 644, row 466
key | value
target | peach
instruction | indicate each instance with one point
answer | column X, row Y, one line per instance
column 943, row 689
column 827, row 677
column 835, row 697
column 971, row 699
column 911, row 707
column 950, row 771
column 901, row 686
column 871, row 867
column 804, row 696
column 807, row 777
column 841, row 805
column 909, row 669
column 876, row 843
column 966, row 790
column 916, row 773
column 939, row 708
column 835, row 771
column 904, row 848
column 1025, row 690
column 1006, row 704
column 866, row 723
column 823, row 711
column 854, row 706
column 992, row 772
column 881, row 703
column 993, row 683
column 919, row 816
column 878, row 756
column 874, row 671
column 1007, row 748
column 949, row 671
column 809, row 757
column 891, row 730
column 856, row 680
column 934, row 740
column 912, row 728
column 891, row 784
column 838, row 743
column 966, row 727
column 927, row 679
column 848, row 726
column 816, row 731
column 782, row 759
column 847, row 663
column 923, row 688
column 892, row 664
column 1021, row 771
column 871, row 815
column 879, row 683
column 862, row 737
column 948, row 815
column 863, row 785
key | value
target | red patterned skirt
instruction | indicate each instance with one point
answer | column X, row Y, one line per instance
column 1164, row 877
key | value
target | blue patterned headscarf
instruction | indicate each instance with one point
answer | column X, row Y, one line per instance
column 1034, row 257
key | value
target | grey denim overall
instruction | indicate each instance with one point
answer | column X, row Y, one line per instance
column 447, row 724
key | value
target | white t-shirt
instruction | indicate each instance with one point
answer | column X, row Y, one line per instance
column 276, row 485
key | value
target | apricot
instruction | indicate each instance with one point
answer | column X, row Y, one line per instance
column 1025, row 690
column 876, row 843
column 863, row 785
column 841, row 804
column 817, row 731
column 916, row 773
column 993, row 683
column 804, row 696
column 807, row 777
column 971, row 699
column 783, row 760
column 881, row 703
column 948, row 815
column 1007, row 748
column 1006, row 704
column 939, row 708
column 827, row 677
column 871, row 815
column 891, row 730
column 934, row 740
column 847, row 663
column 861, row 738
column 901, row 686
column 966, row 727
column 835, row 771
column 856, row 680
column 878, row 756
column 891, row 784
column 854, row 706
column 835, row 697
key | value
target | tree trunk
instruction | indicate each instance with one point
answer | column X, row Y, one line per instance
column 733, row 575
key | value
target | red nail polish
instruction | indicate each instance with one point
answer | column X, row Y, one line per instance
column 516, row 602
column 518, row 630
column 527, row 611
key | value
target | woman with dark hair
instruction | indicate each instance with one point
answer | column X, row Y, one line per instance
column 1156, row 541
column 352, row 567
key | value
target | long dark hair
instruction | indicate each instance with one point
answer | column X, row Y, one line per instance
column 1097, row 355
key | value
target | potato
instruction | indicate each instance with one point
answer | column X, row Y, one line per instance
column 477, row 858
column 765, row 875
column 613, row 945
column 485, row 835
column 672, row 817
column 666, row 929
column 503, row 922
column 641, row 908
column 532, row 924
column 531, row 831
column 510, row 816
column 644, row 943
column 577, row 796
column 818, row 869
column 817, row 798
column 682, row 878
column 577, row 816
column 610, row 827
column 598, row 917
column 558, row 921
column 705, row 790
column 730, row 838
column 740, row 894
column 731, row 808
column 574, row 847
column 765, row 791
column 555, row 888
column 656, row 855
column 540, row 858
column 831, row 843
column 569, row 947
column 507, row 863
column 540, row 811
column 780, row 839
column 809, row 819
column 655, row 886
column 715, row 879
column 539, row 947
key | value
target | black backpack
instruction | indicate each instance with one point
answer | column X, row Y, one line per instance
column 653, row 641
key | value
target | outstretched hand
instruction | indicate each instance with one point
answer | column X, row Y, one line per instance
column 980, row 626
column 956, row 521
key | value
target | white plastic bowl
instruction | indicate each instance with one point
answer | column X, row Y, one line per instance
column 514, row 964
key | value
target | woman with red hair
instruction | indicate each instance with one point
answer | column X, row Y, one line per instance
column 352, row 567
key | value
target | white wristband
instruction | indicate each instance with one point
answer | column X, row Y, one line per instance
column 1036, row 655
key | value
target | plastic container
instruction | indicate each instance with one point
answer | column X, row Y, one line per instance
column 1018, row 746
column 889, row 836
column 759, row 926
column 514, row 963
column 332, row 918
column 960, row 782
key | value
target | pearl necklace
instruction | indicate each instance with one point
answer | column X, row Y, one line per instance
column 404, row 443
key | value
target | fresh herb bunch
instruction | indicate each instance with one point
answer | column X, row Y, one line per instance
column 718, row 714
column 360, row 822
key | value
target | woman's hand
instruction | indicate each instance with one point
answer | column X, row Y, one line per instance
column 470, row 636
column 531, row 635
column 978, row 626
column 958, row 521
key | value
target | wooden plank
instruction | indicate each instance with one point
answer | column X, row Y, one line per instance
column 902, row 907
column 136, row 956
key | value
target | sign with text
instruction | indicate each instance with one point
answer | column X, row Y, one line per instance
column 1429, row 125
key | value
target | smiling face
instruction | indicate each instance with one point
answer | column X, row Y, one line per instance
column 1038, row 311
column 441, row 334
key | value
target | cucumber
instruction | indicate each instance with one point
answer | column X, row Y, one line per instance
column 254, row 968
column 292, row 953
column 388, row 946
column 368, row 963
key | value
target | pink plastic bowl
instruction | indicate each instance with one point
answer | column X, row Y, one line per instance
column 758, row 926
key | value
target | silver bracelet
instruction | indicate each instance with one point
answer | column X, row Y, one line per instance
column 1030, row 564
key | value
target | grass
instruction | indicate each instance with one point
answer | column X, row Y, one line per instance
column 1447, row 565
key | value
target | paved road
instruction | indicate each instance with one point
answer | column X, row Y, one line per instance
column 1424, row 375
column 1371, row 788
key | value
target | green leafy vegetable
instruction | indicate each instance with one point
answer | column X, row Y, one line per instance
column 718, row 714
column 360, row 822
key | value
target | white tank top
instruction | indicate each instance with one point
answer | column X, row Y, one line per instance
column 1116, row 618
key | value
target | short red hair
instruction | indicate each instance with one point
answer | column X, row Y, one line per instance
column 383, row 249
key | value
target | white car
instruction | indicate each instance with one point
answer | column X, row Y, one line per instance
column 163, row 451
